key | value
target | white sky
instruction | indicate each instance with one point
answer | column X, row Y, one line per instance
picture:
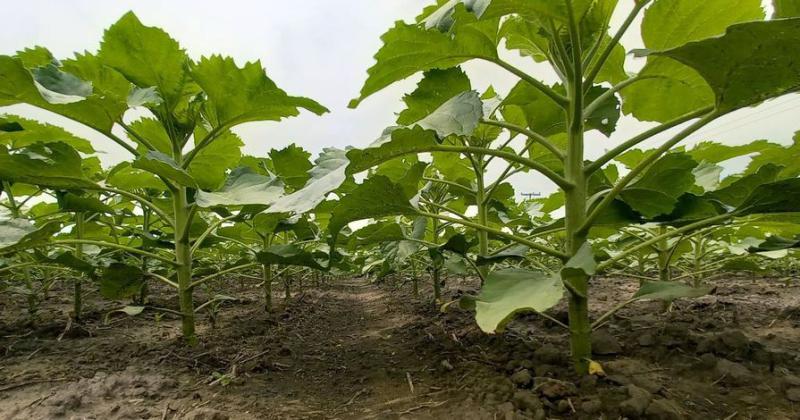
column 320, row 49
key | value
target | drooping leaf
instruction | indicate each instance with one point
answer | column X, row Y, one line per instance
column 71, row 202
column 210, row 165
column 674, row 89
column 435, row 88
column 292, row 165
column 582, row 263
column 509, row 292
column 775, row 243
column 734, row 194
column 52, row 164
column 669, row 291
column 30, row 132
column 18, row 234
column 327, row 175
column 243, row 187
column 775, row 197
column 751, row 63
column 291, row 255
column 120, row 281
column 376, row 197
column 161, row 164
column 657, row 190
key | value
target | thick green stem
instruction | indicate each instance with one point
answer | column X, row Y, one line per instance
column 77, row 286
column 575, row 206
column 183, row 254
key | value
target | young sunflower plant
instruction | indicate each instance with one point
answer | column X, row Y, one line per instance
column 704, row 60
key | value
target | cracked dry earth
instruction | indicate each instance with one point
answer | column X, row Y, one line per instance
column 352, row 350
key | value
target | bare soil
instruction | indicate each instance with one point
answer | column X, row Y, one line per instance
column 354, row 350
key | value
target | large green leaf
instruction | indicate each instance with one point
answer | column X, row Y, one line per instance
column 779, row 155
column 17, row 85
column 52, row 164
column 376, row 197
column 656, row 192
column 411, row 48
column 292, row 255
column 237, row 95
column 210, row 165
column 163, row 165
column 734, row 194
column 126, row 177
column 669, row 291
column 775, row 197
column 401, row 141
column 72, row 202
column 673, row 89
column 31, row 132
column 292, row 165
column 509, row 292
column 786, row 8
column 435, row 88
column 327, row 175
column 19, row 234
column 751, row 63
column 775, row 243
column 120, row 281
column 243, row 187
column 147, row 56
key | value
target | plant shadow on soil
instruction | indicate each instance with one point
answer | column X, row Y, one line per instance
column 353, row 350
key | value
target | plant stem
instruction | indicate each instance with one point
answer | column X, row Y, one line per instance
column 77, row 287
column 483, row 219
column 183, row 254
column 575, row 207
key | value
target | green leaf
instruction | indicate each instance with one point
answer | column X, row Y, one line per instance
column 146, row 56
column 58, row 87
column 410, row 48
column 243, row 187
column 210, row 166
column 460, row 116
column 775, row 197
column 516, row 252
column 435, row 88
column 509, row 292
column 786, row 8
column 675, row 89
column 669, row 291
column 126, row 177
column 779, row 155
column 378, row 233
column 30, row 132
column 71, row 202
column 401, row 141
column 163, row 165
column 54, row 165
column 327, row 175
column 582, row 262
column 291, row 255
column 751, row 63
column 734, row 194
column 376, row 197
column 292, row 164
column 144, row 97
column 657, row 190
column 19, row 234
column 17, row 85
column 237, row 95
column 120, row 281
column 775, row 243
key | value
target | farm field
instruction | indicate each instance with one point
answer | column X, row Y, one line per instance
column 500, row 209
column 343, row 351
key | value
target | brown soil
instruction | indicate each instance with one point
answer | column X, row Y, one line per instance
column 352, row 350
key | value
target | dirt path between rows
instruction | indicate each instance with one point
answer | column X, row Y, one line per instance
column 334, row 353
column 353, row 350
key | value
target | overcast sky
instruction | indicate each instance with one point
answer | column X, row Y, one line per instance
column 315, row 48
